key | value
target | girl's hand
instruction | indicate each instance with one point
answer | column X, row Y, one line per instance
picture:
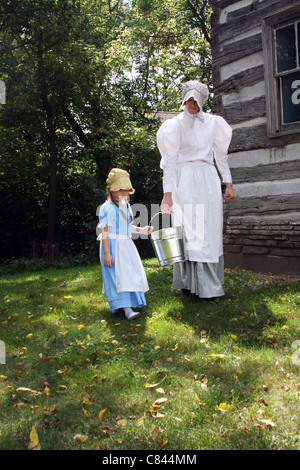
column 108, row 260
column 142, row 230
column 146, row 230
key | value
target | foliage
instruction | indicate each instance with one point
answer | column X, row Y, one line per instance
column 83, row 82
column 185, row 375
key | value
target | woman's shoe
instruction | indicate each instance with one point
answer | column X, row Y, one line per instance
column 185, row 291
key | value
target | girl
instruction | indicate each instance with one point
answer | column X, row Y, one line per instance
column 124, row 278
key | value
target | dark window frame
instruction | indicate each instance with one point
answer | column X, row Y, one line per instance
column 273, row 76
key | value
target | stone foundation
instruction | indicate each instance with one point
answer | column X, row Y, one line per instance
column 263, row 246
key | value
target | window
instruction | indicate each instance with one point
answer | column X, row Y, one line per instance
column 282, row 67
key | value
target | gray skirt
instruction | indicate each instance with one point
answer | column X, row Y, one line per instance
column 202, row 279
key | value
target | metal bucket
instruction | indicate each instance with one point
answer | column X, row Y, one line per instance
column 168, row 245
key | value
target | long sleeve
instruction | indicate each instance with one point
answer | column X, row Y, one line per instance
column 168, row 142
column 222, row 138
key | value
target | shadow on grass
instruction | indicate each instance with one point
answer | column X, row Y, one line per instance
column 128, row 352
column 246, row 310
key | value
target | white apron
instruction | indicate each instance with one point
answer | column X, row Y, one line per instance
column 130, row 273
column 197, row 206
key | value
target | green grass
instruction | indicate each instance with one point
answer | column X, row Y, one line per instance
column 227, row 370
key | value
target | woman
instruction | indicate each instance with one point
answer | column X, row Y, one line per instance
column 189, row 144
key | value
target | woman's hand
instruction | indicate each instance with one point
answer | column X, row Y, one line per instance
column 229, row 193
column 166, row 204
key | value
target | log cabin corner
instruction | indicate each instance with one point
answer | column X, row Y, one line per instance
column 256, row 83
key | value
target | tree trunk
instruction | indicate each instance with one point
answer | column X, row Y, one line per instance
column 51, row 229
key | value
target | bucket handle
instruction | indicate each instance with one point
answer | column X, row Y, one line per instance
column 159, row 212
column 153, row 217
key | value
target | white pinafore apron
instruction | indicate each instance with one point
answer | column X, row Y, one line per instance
column 197, row 206
column 130, row 274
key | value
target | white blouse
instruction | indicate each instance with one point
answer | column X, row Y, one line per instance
column 189, row 137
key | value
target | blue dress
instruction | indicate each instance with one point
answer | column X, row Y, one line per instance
column 124, row 283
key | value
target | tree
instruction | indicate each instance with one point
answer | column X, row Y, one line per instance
column 161, row 45
column 84, row 79
column 45, row 49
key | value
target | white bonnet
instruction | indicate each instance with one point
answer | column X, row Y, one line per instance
column 195, row 89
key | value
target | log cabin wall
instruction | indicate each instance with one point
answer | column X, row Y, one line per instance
column 256, row 81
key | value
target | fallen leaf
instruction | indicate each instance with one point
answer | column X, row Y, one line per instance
column 159, row 401
column 197, row 400
column 24, row 389
column 122, row 422
column 140, row 421
column 22, row 351
column 101, row 413
column 151, row 385
column 263, row 401
column 80, row 438
column 34, row 407
column 204, row 383
column 34, row 440
column 104, row 429
column 81, row 344
column 164, row 442
column 88, row 401
column 223, row 407
column 267, row 422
